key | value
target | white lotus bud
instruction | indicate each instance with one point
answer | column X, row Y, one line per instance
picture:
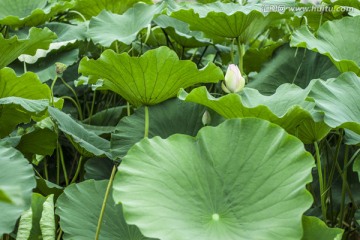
column 234, row 82
column 206, row 118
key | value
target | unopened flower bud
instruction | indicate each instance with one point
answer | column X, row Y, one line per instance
column 206, row 118
column 234, row 82
column 60, row 68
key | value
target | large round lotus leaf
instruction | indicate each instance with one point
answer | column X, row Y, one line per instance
column 17, row 180
column 128, row 25
column 287, row 107
column 13, row 47
column 332, row 36
column 244, row 179
column 30, row 12
column 167, row 118
column 20, row 99
column 291, row 65
column 339, row 99
column 89, row 8
column 229, row 20
column 79, row 210
column 150, row 79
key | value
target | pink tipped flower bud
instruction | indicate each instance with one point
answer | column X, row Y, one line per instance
column 234, row 82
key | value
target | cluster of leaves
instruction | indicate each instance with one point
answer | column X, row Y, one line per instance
column 114, row 125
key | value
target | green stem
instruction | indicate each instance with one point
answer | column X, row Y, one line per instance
column 128, row 108
column 98, row 228
column 46, row 169
column 343, row 188
column 75, row 104
column 75, row 95
column 232, row 59
column 241, row 51
column 57, row 165
column 63, row 165
column 146, row 133
column 60, row 234
column 52, row 90
column 25, row 68
column 77, row 170
column 321, row 181
column 92, row 107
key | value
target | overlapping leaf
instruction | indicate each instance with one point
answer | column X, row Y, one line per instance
column 108, row 27
column 290, row 65
column 330, row 37
column 170, row 117
column 79, row 209
column 20, row 99
column 244, row 179
column 17, row 180
column 180, row 32
column 89, row 8
column 229, row 20
column 86, row 142
column 13, row 47
column 150, row 79
column 287, row 107
column 315, row 229
column 17, row 13
column 339, row 99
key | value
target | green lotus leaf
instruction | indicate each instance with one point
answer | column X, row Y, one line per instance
column 25, row 225
column 230, row 20
column 79, row 209
column 89, row 8
column 20, row 99
column 46, row 188
column 327, row 42
column 287, row 107
column 108, row 27
column 291, row 65
column 315, row 229
column 339, row 100
column 351, row 138
column 47, row 220
column 37, row 140
column 222, row 184
column 13, row 47
column 150, row 79
column 98, row 168
column 18, row 13
column 86, row 142
column 16, row 182
column 107, row 117
column 166, row 119
column 180, row 32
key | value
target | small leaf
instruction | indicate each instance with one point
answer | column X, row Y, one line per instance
column 339, row 99
column 47, row 220
column 128, row 25
column 86, row 142
column 25, row 225
column 315, row 229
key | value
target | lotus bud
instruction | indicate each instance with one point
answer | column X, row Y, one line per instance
column 60, row 68
column 234, row 82
column 206, row 118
